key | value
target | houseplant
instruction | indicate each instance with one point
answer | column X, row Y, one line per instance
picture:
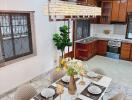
column 61, row 39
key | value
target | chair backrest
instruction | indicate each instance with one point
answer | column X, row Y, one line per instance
column 56, row 75
column 98, row 71
column 119, row 96
column 25, row 92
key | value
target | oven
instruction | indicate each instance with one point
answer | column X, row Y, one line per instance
column 113, row 50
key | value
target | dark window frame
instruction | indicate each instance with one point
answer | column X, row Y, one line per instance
column 27, row 14
column 128, row 21
column 75, row 29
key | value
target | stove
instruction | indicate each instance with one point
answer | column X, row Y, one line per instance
column 113, row 50
column 115, row 42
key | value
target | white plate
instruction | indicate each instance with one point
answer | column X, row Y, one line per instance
column 94, row 90
column 47, row 92
column 66, row 79
column 92, row 74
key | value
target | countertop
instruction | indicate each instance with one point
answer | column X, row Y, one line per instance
column 91, row 39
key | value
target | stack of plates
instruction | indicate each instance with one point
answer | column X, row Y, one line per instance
column 92, row 74
column 48, row 92
column 94, row 90
column 66, row 79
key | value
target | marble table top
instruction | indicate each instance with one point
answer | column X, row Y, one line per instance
column 104, row 81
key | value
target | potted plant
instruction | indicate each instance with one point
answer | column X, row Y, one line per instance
column 61, row 39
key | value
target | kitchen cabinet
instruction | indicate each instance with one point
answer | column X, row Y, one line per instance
column 119, row 10
column 106, row 12
column 125, row 51
column 129, row 6
column 122, row 11
column 131, row 54
column 102, row 47
column 86, row 50
column 115, row 10
column 91, row 2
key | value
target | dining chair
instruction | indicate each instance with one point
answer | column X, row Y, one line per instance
column 54, row 75
column 98, row 71
column 119, row 96
column 25, row 92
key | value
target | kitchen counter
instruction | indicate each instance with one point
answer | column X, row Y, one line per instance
column 91, row 39
column 127, row 41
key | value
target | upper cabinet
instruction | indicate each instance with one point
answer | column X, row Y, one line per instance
column 106, row 12
column 89, row 2
column 115, row 10
column 129, row 6
column 119, row 10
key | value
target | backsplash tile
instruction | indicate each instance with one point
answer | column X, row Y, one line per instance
column 116, row 31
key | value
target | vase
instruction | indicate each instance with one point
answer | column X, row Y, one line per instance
column 72, row 86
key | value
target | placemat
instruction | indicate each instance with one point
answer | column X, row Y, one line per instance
column 95, row 78
column 39, row 97
column 93, row 96
column 65, row 83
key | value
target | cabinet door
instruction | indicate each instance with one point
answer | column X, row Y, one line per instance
column 115, row 10
column 122, row 11
column 102, row 47
column 91, row 2
column 131, row 54
column 125, row 51
column 129, row 6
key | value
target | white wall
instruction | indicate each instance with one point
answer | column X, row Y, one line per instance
column 20, row 72
column 117, row 31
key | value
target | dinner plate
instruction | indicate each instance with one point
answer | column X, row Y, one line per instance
column 66, row 79
column 47, row 92
column 92, row 74
column 94, row 90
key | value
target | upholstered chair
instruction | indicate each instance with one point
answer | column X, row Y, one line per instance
column 98, row 71
column 54, row 75
column 25, row 92
column 119, row 96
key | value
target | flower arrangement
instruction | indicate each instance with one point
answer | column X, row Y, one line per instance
column 75, row 67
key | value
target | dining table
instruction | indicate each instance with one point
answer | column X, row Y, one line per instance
column 82, row 93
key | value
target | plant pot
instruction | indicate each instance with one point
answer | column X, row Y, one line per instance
column 72, row 86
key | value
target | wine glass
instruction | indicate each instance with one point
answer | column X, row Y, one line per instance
column 82, row 82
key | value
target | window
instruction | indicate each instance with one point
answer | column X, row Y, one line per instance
column 129, row 26
column 15, row 35
column 82, row 29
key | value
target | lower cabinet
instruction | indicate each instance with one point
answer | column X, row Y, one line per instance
column 131, row 54
column 88, row 50
column 102, row 47
column 85, row 51
column 126, row 51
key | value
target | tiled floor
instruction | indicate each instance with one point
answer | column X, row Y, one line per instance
column 119, row 70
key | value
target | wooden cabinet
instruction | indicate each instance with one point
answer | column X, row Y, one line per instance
column 85, row 51
column 125, row 51
column 106, row 12
column 102, row 47
column 91, row 2
column 115, row 10
column 119, row 10
column 123, row 11
column 131, row 54
column 129, row 6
